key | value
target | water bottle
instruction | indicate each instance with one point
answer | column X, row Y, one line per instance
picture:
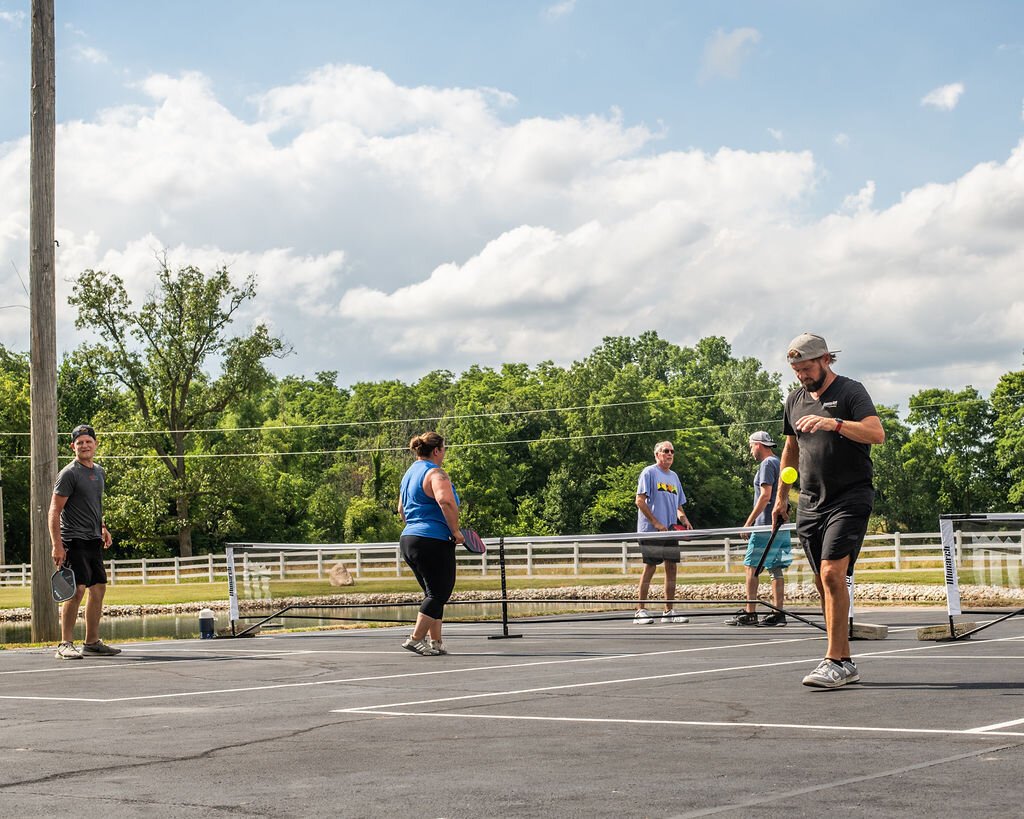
column 206, row 624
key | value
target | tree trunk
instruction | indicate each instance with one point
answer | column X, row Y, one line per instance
column 184, row 527
column 43, row 389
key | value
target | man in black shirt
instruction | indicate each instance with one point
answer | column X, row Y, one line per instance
column 79, row 537
column 830, row 424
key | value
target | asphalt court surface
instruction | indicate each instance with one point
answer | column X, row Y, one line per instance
column 573, row 719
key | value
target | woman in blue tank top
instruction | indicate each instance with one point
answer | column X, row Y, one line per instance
column 429, row 505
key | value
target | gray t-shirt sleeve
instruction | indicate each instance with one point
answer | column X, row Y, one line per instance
column 65, row 484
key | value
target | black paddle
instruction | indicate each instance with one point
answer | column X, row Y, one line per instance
column 767, row 547
column 62, row 583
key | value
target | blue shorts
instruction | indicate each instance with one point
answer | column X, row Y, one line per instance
column 780, row 556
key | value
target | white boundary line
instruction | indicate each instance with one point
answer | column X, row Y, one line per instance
column 989, row 730
column 499, row 667
column 697, row 724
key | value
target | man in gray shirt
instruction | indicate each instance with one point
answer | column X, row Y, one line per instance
column 79, row 537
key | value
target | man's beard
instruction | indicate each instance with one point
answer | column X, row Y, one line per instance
column 817, row 384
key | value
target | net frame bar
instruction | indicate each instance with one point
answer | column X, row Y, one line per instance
column 947, row 531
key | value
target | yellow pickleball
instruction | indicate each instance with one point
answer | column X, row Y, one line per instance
column 789, row 475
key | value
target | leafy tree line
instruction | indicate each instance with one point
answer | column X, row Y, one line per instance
column 202, row 444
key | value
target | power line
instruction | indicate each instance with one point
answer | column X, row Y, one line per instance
column 333, row 424
column 365, row 450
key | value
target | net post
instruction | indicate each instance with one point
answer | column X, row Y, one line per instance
column 727, row 545
column 849, row 590
column 949, row 542
column 504, row 596
column 229, row 560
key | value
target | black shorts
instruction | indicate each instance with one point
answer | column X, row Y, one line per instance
column 833, row 534
column 656, row 552
column 85, row 557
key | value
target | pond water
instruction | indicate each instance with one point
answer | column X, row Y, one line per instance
column 186, row 626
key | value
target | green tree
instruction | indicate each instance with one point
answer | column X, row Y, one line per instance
column 1008, row 424
column 158, row 354
column 367, row 521
column 14, row 446
column 953, row 448
column 905, row 477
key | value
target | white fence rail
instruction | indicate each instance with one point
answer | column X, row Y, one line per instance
column 541, row 556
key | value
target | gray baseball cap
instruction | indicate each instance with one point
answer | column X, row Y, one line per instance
column 762, row 438
column 807, row 347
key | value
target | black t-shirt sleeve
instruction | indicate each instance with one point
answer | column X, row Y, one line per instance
column 858, row 403
column 787, row 424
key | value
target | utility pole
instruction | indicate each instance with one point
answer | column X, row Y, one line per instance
column 43, row 391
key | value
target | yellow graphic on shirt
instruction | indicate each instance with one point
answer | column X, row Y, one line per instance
column 667, row 487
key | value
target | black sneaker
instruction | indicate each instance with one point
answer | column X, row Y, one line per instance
column 776, row 618
column 742, row 618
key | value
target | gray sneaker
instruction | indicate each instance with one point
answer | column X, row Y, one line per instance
column 67, row 651
column 851, row 670
column 99, row 649
column 830, row 674
column 420, row 647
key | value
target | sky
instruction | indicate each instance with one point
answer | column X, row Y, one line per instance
column 420, row 186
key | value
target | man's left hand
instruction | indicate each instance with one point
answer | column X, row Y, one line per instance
column 816, row 423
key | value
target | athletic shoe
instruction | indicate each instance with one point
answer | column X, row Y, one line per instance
column 420, row 647
column 100, row 648
column 643, row 618
column 670, row 616
column 437, row 645
column 851, row 670
column 776, row 618
column 67, row 651
column 830, row 674
column 742, row 618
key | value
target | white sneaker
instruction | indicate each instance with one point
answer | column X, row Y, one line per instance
column 643, row 618
column 670, row 616
column 420, row 647
column 437, row 645
column 67, row 651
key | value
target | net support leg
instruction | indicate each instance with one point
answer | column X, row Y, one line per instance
column 504, row 596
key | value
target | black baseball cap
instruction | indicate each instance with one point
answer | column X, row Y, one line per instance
column 82, row 429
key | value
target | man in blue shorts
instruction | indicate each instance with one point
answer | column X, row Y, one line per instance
column 830, row 424
column 766, row 485
column 79, row 537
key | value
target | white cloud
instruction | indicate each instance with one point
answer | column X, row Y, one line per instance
column 776, row 134
column 394, row 230
column 943, row 98
column 726, row 51
column 841, row 140
column 861, row 201
column 13, row 18
column 560, row 10
column 89, row 54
